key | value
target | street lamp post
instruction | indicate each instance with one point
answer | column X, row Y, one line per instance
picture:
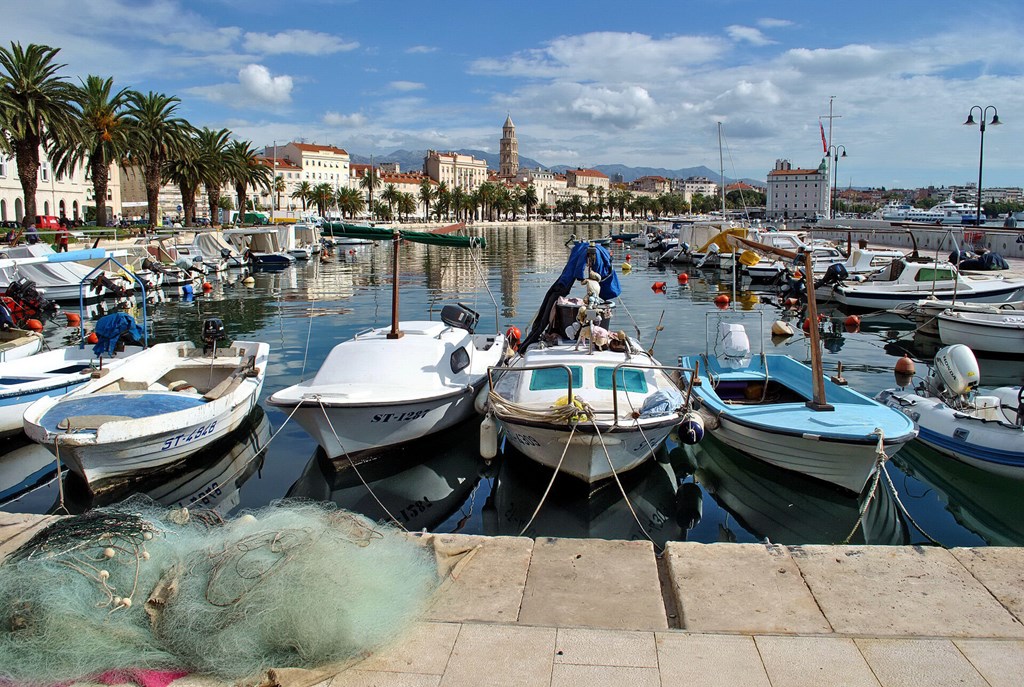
column 983, row 111
column 834, row 150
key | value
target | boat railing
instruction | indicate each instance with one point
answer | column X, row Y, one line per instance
column 530, row 368
column 636, row 366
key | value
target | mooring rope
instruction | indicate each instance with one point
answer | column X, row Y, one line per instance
column 551, row 482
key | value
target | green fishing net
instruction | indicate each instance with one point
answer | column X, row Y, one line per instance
column 294, row 584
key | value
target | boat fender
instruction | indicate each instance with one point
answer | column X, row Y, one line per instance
column 721, row 301
column 782, row 328
column 658, row 287
column 488, row 437
column 691, row 429
column 904, row 371
column 481, row 403
column 689, row 505
column 626, row 268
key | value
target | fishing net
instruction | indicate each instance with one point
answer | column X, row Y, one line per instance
column 137, row 586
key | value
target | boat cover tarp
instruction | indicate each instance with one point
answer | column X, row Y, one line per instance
column 721, row 239
column 211, row 246
column 335, row 229
column 576, row 269
column 986, row 261
column 110, row 328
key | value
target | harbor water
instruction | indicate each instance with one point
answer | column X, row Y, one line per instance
column 707, row 493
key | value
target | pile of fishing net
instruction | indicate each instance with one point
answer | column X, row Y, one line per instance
column 139, row 586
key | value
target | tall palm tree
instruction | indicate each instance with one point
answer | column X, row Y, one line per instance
column 155, row 135
column 247, row 170
column 406, row 204
column 104, row 137
column 370, row 182
column 350, row 201
column 38, row 110
column 323, row 197
column 458, row 200
column 600, row 200
column 529, row 198
column 183, row 171
column 303, row 192
column 427, row 194
column 217, row 166
column 390, row 196
column 280, row 186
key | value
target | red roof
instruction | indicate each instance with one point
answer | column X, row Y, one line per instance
column 313, row 148
column 282, row 163
column 588, row 173
column 403, row 178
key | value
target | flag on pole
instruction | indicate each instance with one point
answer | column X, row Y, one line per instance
column 824, row 144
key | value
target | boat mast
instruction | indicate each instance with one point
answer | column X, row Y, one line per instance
column 721, row 169
column 395, row 332
column 818, row 402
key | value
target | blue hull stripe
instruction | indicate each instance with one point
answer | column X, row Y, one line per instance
column 947, row 444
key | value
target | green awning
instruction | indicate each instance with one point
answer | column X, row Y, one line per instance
column 336, row 229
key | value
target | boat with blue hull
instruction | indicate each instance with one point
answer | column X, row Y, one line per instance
column 767, row 406
column 985, row 430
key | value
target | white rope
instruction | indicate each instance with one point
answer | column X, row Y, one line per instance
column 544, row 496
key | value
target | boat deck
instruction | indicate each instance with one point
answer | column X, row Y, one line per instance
column 582, row 611
column 114, row 406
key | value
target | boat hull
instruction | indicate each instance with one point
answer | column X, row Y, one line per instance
column 854, row 297
column 585, row 458
column 361, row 430
column 991, row 333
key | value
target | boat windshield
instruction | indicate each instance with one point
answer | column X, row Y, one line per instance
column 625, row 379
column 554, row 378
column 934, row 274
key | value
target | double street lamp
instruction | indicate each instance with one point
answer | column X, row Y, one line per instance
column 983, row 112
column 834, row 151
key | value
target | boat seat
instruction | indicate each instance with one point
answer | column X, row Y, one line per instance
column 88, row 421
column 226, row 386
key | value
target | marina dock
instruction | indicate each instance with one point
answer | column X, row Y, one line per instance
column 518, row 611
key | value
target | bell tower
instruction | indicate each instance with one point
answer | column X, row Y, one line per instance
column 509, row 150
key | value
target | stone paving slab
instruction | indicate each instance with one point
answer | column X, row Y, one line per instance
column 623, row 648
column 813, row 662
column 489, row 586
column 1001, row 570
column 425, row 648
column 16, row 533
column 501, row 656
column 593, row 583
column 709, row 660
column 912, row 662
column 1000, row 662
column 886, row 591
column 741, row 588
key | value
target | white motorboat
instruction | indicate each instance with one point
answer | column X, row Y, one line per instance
column 60, row 276
column 214, row 249
column 16, row 344
column 260, row 246
column 925, row 312
column 997, row 331
column 593, row 408
column 391, row 385
column 771, row 407
column 53, row 373
column 983, row 430
column 907, row 280
column 163, row 405
column 301, row 241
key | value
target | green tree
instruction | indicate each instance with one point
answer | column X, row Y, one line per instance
column 529, row 198
column 183, row 171
column 155, row 135
column 323, row 197
column 303, row 192
column 350, row 201
column 427, row 194
column 406, row 204
column 246, row 170
column 370, row 182
column 215, row 164
column 390, row 196
column 37, row 107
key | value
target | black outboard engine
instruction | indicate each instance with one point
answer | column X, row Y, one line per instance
column 792, row 287
column 834, row 275
column 213, row 333
column 460, row 316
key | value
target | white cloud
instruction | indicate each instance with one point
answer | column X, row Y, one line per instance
column 747, row 33
column 406, row 86
column 297, row 41
column 257, row 81
column 770, row 23
column 355, row 119
column 420, row 49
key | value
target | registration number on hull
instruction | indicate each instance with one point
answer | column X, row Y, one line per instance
column 196, row 433
column 399, row 417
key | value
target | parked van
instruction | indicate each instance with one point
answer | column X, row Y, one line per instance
column 46, row 222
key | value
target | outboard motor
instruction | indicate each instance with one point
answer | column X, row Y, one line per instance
column 460, row 316
column 955, row 373
column 834, row 275
column 792, row 287
column 213, row 333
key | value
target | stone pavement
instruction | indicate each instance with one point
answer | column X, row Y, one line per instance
column 592, row 612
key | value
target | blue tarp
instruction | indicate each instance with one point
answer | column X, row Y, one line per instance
column 576, row 269
column 109, row 330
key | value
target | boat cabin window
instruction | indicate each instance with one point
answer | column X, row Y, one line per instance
column 896, row 268
column 460, row 359
column 626, row 379
column 934, row 274
column 554, row 378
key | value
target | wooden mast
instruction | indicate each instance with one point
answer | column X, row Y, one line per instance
column 395, row 332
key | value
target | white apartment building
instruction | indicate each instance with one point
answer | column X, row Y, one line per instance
column 692, row 186
column 549, row 185
column 582, row 178
column 455, row 170
column 797, row 193
column 60, row 196
column 651, row 184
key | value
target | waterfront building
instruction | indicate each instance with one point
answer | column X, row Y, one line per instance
column 797, row 193
column 389, row 167
column 57, row 195
column 547, row 184
column 582, row 178
column 280, row 200
column 651, row 184
column 692, row 186
column 508, row 161
column 455, row 170
column 319, row 163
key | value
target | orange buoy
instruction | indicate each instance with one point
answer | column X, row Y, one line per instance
column 658, row 286
column 852, row 324
column 806, row 326
column 73, row 319
column 628, row 257
column 92, row 338
column 722, row 300
column 683, row 278
column 905, row 365
column 34, row 325
column 207, row 286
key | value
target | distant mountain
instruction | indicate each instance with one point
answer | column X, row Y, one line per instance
column 412, row 161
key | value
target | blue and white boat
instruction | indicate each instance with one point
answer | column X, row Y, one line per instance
column 53, row 373
column 260, row 246
column 982, row 430
column 766, row 406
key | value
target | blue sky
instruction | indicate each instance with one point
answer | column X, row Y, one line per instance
column 587, row 83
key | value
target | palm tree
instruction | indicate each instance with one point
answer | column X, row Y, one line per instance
column 279, row 187
column 390, row 196
column 155, row 135
column 600, row 200
column 38, row 110
column 406, row 204
column 458, row 201
column 591, row 189
column 104, row 137
column 322, row 196
column 246, row 170
column 370, row 182
column 529, row 198
column 216, row 166
column 184, row 172
column 427, row 194
column 350, row 201
column 303, row 192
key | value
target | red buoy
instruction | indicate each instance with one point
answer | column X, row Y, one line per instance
column 34, row 325
column 92, row 338
column 73, row 319
column 628, row 257
column 806, row 326
column 683, row 278
column 722, row 301
column 619, row 241
column 658, row 286
column 852, row 324
column 905, row 365
column 352, row 251
column 207, row 286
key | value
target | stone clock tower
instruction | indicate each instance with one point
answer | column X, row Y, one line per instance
column 509, row 151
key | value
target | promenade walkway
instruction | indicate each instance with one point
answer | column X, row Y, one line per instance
column 561, row 612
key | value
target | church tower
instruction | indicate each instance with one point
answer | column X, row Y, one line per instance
column 509, row 151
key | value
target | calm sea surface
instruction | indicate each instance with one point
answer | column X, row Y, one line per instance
column 706, row 494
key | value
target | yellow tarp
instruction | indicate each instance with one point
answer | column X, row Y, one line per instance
column 721, row 240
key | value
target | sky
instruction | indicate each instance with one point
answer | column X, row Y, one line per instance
column 640, row 83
